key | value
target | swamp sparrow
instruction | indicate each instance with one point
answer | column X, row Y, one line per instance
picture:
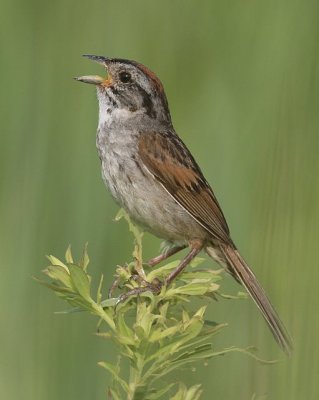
column 153, row 176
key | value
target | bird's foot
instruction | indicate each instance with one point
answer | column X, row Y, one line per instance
column 154, row 287
column 143, row 285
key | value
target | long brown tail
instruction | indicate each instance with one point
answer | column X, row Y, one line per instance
column 241, row 271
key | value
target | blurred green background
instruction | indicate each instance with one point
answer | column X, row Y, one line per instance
column 242, row 82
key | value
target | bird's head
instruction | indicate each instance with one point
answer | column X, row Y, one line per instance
column 129, row 86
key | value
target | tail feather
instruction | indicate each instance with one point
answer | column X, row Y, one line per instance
column 241, row 271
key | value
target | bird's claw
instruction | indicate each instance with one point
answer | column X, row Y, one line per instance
column 155, row 287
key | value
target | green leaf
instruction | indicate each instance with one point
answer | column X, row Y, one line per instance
column 144, row 319
column 114, row 371
column 113, row 395
column 209, row 275
column 126, row 334
column 197, row 261
column 194, row 393
column 159, row 334
column 56, row 261
column 158, row 393
column 99, row 290
column 138, row 234
column 191, row 289
column 194, row 351
column 169, row 349
column 68, row 255
column 194, row 326
column 80, row 281
column 112, row 302
column 190, row 330
column 54, row 286
column 185, row 317
column 59, row 274
column 181, row 393
column 200, row 312
column 239, row 296
column 205, row 355
column 70, row 311
column 125, row 340
column 161, row 271
column 202, row 337
column 84, row 261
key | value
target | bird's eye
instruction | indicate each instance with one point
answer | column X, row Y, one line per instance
column 125, row 77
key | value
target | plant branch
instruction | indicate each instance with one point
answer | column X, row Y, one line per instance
column 166, row 333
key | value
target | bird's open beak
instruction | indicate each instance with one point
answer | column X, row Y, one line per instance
column 95, row 79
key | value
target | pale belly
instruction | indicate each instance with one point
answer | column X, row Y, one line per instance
column 147, row 202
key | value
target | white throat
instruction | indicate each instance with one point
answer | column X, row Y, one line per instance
column 110, row 114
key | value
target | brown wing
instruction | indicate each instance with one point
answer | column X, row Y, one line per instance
column 168, row 159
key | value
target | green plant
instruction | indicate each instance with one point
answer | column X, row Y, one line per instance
column 156, row 334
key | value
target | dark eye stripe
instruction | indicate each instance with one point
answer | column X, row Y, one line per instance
column 147, row 102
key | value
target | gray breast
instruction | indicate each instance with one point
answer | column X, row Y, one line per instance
column 134, row 188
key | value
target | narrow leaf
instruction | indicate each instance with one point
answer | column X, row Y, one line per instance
column 99, row 290
column 159, row 393
column 158, row 334
column 59, row 274
column 84, row 261
column 56, row 261
column 113, row 395
column 194, row 393
column 68, row 255
column 180, row 394
column 110, row 302
column 124, row 330
column 80, row 281
column 197, row 261
column 114, row 372
column 161, row 271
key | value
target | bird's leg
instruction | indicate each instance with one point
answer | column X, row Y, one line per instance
column 196, row 246
column 114, row 286
column 166, row 254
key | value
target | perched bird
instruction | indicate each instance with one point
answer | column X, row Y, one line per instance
column 154, row 177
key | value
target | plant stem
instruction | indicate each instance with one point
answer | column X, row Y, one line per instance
column 98, row 310
column 135, row 378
